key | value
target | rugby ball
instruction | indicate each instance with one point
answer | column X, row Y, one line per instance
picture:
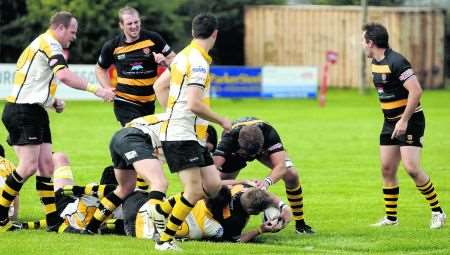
column 271, row 216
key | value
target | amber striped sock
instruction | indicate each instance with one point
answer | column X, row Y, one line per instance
column 176, row 218
column 295, row 199
column 391, row 201
column 107, row 205
column 38, row 224
column 141, row 184
column 8, row 192
column 44, row 187
column 156, row 197
column 166, row 207
column 430, row 194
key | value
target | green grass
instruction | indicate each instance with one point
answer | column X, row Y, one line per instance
column 336, row 150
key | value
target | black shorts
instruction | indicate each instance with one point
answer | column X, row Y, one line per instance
column 130, row 208
column 414, row 132
column 128, row 111
column 26, row 124
column 129, row 145
column 181, row 155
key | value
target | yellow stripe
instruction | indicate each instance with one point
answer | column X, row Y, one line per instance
column 200, row 131
column 49, row 208
column 57, row 68
column 108, row 204
column 246, row 123
column 46, row 193
column 19, row 78
column 295, row 203
column 176, row 77
column 387, row 209
column 390, row 202
column 425, row 187
column 390, row 196
column 136, row 82
column 63, row 172
column 63, row 227
column 142, row 99
column 395, row 104
column 433, row 200
column 43, row 223
column 151, row 119
column 133, row 47
column 431, row 194
column 9, row 190
column 11, row 99
column 171, row 101
column 294, row 196
column 101, row 191
column 139, row 226
column 380, row 69
column 4, row 202
column 98, row 215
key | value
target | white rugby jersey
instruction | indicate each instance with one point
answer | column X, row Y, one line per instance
column 189, row 68
column 35, row 70
column 151, row 125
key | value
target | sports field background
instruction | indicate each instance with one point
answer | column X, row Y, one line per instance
column 336, row 150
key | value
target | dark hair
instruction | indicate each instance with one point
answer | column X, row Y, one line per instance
column 2, row 151
column 212, row 137
column 62, row 17
column 251, row 139
column 376, row 33
column 203, row 25
column 108, row 176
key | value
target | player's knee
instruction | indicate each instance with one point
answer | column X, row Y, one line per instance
column 291, row 177
column 388, row 170
column 59, row 159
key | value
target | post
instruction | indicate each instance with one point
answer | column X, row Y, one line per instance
column 363, row 88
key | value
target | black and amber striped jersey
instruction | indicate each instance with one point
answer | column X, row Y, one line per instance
column 229, row 143
column 234, row 218
column 35, row 71
column 135, row 64
column 389, row 75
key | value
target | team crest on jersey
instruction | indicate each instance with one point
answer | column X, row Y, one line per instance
column 146, row 51
column 383, row 76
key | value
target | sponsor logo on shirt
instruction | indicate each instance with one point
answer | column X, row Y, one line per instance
column 199, row 69
column 121, row 56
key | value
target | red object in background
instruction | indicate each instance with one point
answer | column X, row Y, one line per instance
column 331, row 59
column 160, row 70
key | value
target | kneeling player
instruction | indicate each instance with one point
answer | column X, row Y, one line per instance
column 251, row 138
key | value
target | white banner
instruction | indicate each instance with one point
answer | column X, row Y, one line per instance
column 63, row 91
column 289, row 81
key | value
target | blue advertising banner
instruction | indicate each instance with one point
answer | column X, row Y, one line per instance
column 235, row 81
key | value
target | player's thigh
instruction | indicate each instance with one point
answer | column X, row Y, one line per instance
column 411, row 157
column 150, row 169
column 211, row 179
column 390, row 157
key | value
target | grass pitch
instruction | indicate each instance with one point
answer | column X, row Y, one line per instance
column 336, row 150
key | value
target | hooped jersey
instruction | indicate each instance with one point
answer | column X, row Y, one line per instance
column 189, row 68
column 135, row 64
column 389, row 75
column 35, row 70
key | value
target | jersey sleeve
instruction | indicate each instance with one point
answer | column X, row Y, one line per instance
column 161, row 45
column 55, row 54
column 106, row 58
column 198, row 71
column 402, row 69
column 226, row 145
column 272, row 141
